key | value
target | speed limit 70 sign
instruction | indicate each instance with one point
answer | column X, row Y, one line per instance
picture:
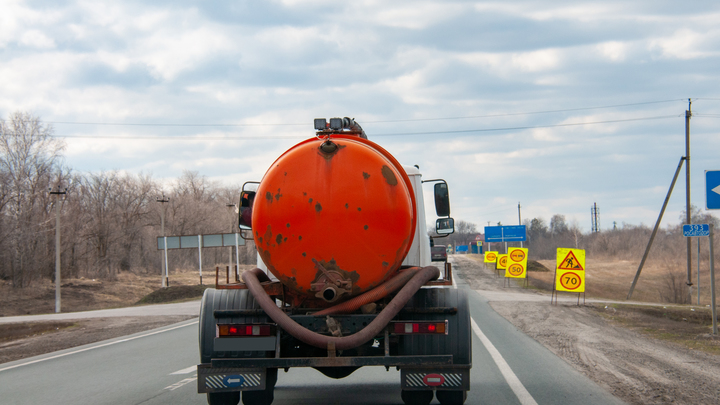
column 572, row 281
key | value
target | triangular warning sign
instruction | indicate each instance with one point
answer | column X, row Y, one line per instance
column 570, row 262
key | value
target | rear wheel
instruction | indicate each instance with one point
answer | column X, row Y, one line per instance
column 223, row 398
column 232, row 300
column 262, row 397
column 451, row 397
column 416, row 397
column 223, row 300
column 458, row 340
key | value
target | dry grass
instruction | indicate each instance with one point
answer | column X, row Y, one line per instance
column 83, row 294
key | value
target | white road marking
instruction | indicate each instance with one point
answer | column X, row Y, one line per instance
column 522, row 394
column 181, row 383
column 98, row 346
column 185, row 370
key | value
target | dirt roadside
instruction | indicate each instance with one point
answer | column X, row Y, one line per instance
column 631, row 365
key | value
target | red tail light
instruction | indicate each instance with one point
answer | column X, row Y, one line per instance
column 246, row 330
column 419, row 328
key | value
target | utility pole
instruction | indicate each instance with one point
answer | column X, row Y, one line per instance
column 688, row 220
column 594, row 214
column 519, row 221
column 162, row 200
column 57, row 193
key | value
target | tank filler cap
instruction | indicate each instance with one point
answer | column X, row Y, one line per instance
column 328, row 147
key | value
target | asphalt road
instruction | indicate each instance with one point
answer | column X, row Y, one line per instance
column 158, row 367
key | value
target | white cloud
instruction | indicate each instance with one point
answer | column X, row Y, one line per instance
column 688, row 44
column 36, row 39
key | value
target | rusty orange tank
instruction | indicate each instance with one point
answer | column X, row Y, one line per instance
column 334, row 216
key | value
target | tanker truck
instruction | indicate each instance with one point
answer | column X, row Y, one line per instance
column 343, row 280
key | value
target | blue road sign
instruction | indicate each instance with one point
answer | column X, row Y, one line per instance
column 511, row 233
column 696, row 230
column 712, row 189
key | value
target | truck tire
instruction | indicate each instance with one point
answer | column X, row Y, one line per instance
column 451, row 397
column 457, row 342
column 221, row 300
column 416, row 397
column 223, row 398
column 232, row 299
column 263, row 397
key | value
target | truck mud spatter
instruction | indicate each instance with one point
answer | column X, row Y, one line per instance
column 343, row 269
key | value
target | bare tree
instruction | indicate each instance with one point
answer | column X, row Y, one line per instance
column 30, row 163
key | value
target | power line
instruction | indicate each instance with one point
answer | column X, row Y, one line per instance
column 529, row 127
column 526, row 113
column 366, row 122
column 197, row 137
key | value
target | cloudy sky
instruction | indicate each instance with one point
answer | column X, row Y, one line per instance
column 553, row 104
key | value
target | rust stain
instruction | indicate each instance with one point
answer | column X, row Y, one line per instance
column 359, row 209
column 304, row 254
column 268, row 196
column 366, row 175
column 310, row 201
column 268, row 234
column 347, row 206
column 389, row 176
column 318, row 207
column 284, row 239
column 279, row 238
column 366, row 227
column 333, row 266
column 300, row 237
column 385, row 264
column 278, row 195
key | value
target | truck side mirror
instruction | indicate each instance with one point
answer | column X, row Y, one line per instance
column 442, row 200
column 444, row 226
column 245, row 216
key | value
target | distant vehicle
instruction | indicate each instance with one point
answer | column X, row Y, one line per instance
column 438, row 253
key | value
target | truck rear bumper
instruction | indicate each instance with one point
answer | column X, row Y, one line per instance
column 417, row 372
column 388, row 361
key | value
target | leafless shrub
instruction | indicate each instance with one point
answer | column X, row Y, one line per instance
column 674, row 290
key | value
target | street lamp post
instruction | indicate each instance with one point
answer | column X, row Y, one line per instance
column 164, row 271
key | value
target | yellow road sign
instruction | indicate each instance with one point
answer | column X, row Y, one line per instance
column 515, row 270
column 570, row 280
column 502, row 262
column 517, row 263
column 490, row 257
column 518, row 255
column 570, row 259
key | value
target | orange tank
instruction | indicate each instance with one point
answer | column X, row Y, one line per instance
column 334, row 216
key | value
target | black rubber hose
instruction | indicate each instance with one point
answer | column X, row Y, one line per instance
column 341, row 343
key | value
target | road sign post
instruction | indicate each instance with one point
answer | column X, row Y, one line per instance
column 696, row 231
column 569, row 272
column 712, row 189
